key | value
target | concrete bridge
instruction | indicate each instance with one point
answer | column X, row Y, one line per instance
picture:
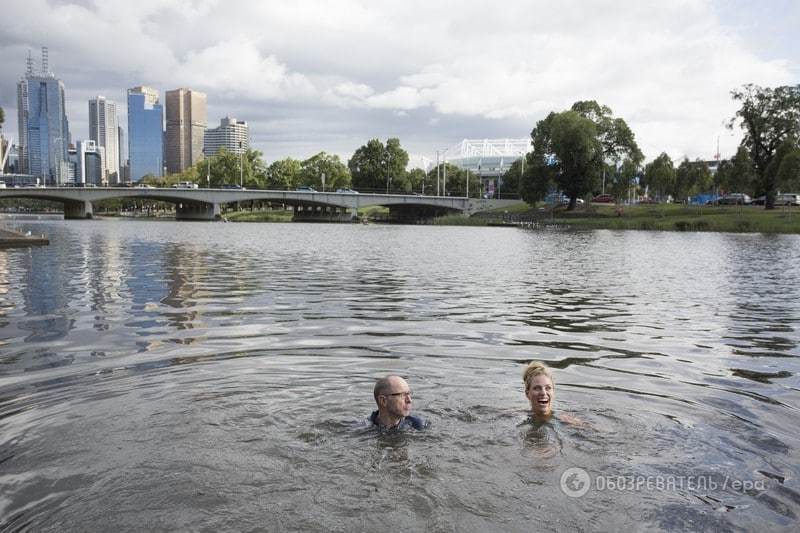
column 204, row 204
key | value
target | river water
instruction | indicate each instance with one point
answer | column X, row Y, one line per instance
column 210, row 377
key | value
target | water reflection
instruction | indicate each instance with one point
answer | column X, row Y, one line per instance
column 147, row 367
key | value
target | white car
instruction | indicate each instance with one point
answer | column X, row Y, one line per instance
column 787, row 199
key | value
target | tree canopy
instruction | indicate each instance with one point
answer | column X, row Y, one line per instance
column 768, row 117
column 567, row 153
column 337, row 175
column 570, row 149
column 737, row 174
column 691, row 177
column 659, row 176
column 283, row 174
column 375, row 167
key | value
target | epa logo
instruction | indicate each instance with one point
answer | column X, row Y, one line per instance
column 575, row 482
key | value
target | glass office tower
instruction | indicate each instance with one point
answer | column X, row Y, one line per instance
column 145, row 133
column 44, row 129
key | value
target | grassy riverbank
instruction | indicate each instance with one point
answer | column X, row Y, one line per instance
column 258, row 216
column 663, row 217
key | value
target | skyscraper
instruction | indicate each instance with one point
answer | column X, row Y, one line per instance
column 186, row 125
column 43, row 125
column 145, row 133
column 232, row 134
column 124, row 175
column 90, row 168
column 103, row 131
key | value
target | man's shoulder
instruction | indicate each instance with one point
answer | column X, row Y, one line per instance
column 416, row 422
column 410, row 421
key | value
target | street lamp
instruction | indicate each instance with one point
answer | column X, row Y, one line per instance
column 241, row 166
column 444, row 172
column 208, row 168
column 388, row 175
column 437, row 172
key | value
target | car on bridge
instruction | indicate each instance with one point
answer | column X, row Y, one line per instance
column 184, row 185
column 305, row 189
column 232, row 186
column 346, row 191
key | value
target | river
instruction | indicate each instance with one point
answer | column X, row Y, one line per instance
column 159, row 375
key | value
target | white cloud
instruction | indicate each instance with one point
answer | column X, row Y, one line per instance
column 464, row 68
column 237, row 67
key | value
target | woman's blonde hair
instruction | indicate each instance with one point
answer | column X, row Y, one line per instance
column 536, row 368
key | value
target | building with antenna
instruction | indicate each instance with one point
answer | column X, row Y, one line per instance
column 43, row 127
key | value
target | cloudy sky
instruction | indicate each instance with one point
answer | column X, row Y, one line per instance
column 311, row 75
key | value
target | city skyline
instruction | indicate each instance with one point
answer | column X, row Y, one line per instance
column 310, row 78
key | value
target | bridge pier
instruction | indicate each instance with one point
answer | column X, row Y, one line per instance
column 411, row 214
column 310, row 213
column 197, row 211
column 78, row 210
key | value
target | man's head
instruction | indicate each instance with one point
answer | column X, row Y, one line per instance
column 540, row 389
column 393, row 396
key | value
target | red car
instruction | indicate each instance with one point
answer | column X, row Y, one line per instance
column 603, row 199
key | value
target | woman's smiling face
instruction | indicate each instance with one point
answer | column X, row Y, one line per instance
column 541, row 393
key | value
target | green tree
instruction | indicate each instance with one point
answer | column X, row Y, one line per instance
column 418, row 182
column 375, row 167
column 691, row 177
column 614, row 134
column 624, row 178
column 337, row 175
column 2, row 118
column 659, row 175
column 785, row 151
column 283, row 174
column 737, row 174
column 511, row 178
column 788, row 175
column 228, row 168
column 567, row 154
column 571, row 148
column 768, row 117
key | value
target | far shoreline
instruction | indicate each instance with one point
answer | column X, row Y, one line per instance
column 641, row 217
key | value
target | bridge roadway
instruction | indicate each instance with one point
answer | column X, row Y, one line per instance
column 204, row 204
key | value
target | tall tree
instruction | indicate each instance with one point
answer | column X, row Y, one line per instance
column 337, row 175
column 659, row 175
column 767, row 116
column 283, row 174
column 228, row 168
column 570, row 149
column 375, row 167
column 737, row 174
column 625, row 178
column 614, row 134
column 785, row 151
column 511, row 179
column 566, row 153
column 691, row 177
column 788, row 174
column 417, row 181
column 2, row 118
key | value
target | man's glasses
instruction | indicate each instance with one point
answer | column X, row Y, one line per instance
column 406, row 394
